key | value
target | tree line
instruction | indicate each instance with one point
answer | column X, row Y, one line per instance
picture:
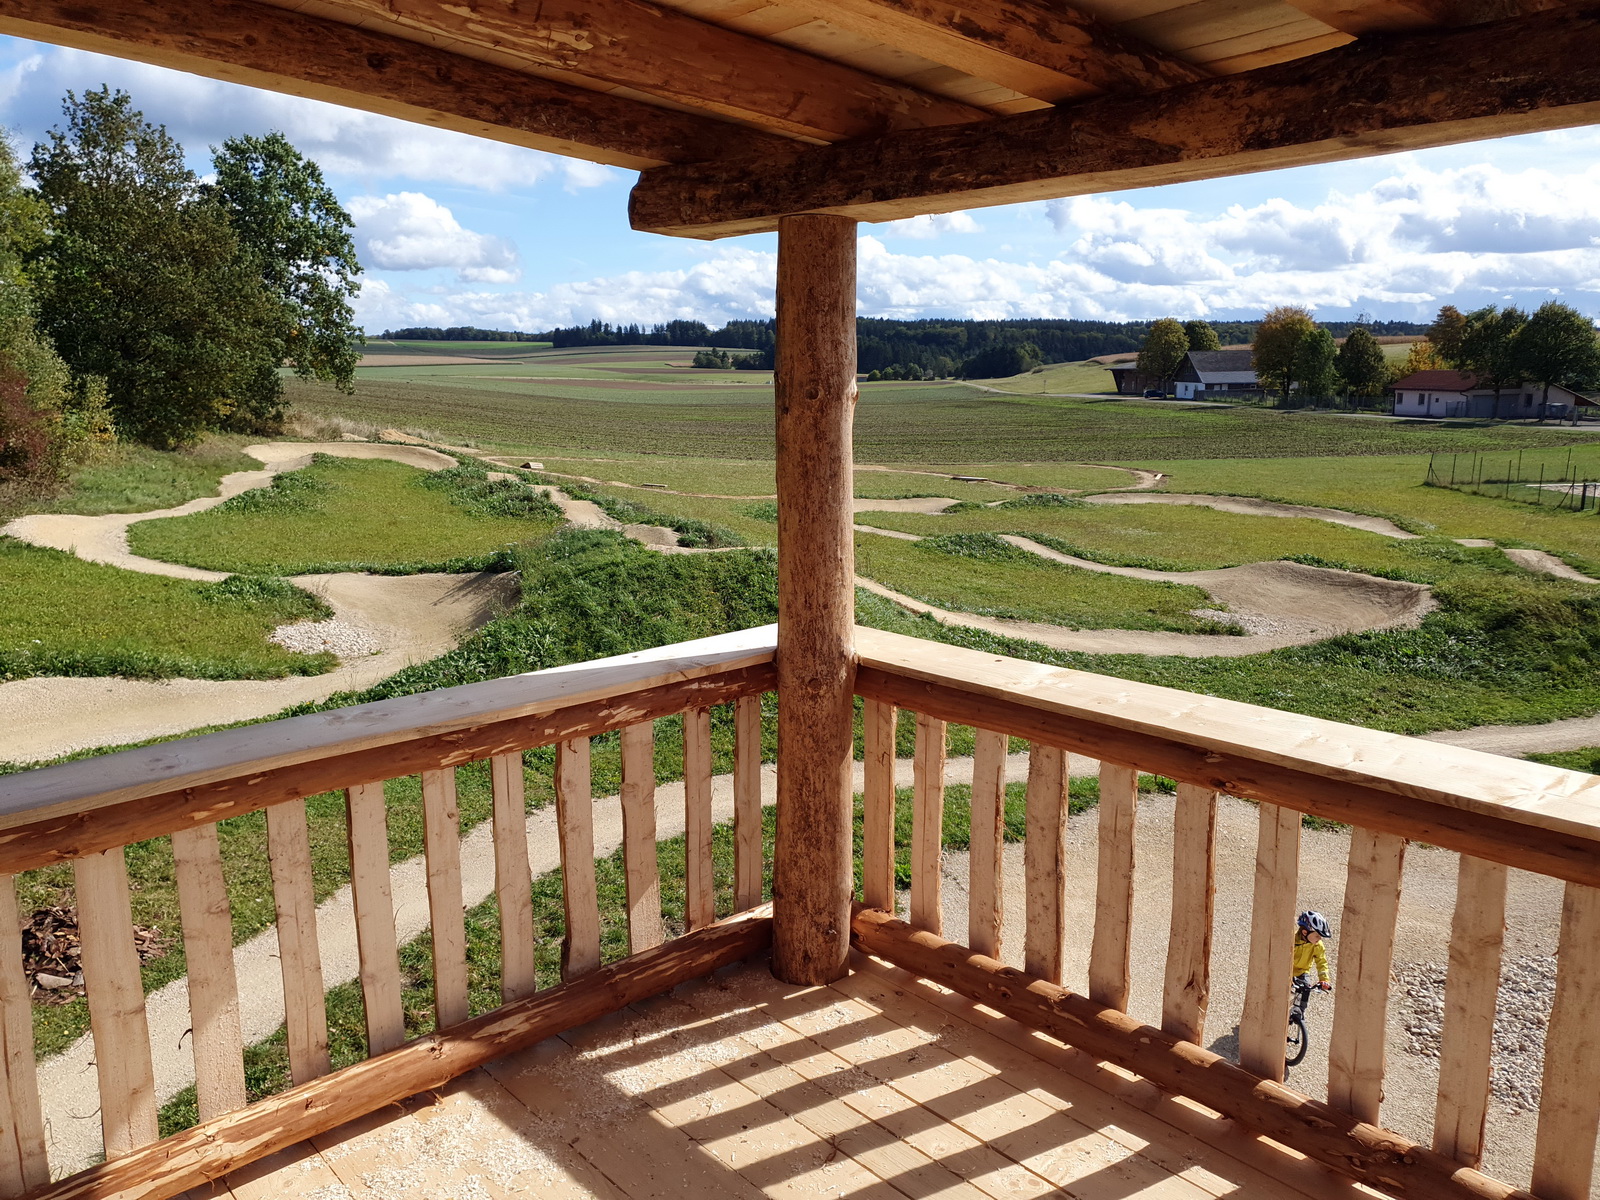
column 1290, row 352
column 458, row 333
column 146, row 303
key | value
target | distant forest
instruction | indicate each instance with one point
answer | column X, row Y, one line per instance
column 936, row 348
column 459, row 333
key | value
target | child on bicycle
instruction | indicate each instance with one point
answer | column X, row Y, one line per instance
column 1311, row 929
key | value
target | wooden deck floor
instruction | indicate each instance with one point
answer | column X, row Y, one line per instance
column 738, row 1086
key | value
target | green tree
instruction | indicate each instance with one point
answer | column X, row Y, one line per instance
column 1361, row 364
column 1163, row 351
column 292, row 225
column 1276, row 348
column 1489, row 347
column 1558, row 346
column 142, row 280
column 1314, row 364
column 1201, row 335
column 1446, row 333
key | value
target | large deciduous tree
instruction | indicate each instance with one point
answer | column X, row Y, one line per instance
column 292, row 225
column 1489, row 347
column 1314, row 364
column 1446, row 332
column 142, row 279
column 1163, row 351
column 1361, row 364
column 1558, row 346
column 1202, row 335
column 1276, row 348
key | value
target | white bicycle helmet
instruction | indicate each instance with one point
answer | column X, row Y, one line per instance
column 1315, row 922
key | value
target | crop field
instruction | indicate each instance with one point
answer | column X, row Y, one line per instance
column 349, row 515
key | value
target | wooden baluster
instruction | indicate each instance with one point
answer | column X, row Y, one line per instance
column 1044, row 858
column 1110, row 952
column 877, row 805
column 213, row 986
column 749, row 845
column 1477, row 938
column 639, row 836
column 580, row 948
column 699, row 881
column 116, row 1002
column 1366, row 954
column 23, row 1163
column 373, row 901
column 1265, row 1021
column 513, row 880
column 1188, row 981
column 300, row 958
column 441, row 837
column 1569, row 1101
column 986, row 856
column 927, row 826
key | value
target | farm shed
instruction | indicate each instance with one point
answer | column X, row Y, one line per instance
column 914, row 1062
column 1463, row 394
column 1206, row 371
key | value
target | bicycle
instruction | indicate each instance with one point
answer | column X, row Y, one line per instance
column 1298, row 1038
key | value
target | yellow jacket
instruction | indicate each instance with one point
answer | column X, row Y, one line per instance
column 1308, row 953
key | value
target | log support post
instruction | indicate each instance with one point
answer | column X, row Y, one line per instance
column 816, row 394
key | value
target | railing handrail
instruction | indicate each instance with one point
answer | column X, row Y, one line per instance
column 85, row 786
column 1506, row 810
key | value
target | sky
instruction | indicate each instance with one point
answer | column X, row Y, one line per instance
column 457, row 230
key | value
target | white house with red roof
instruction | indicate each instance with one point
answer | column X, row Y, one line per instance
column 1460, row 394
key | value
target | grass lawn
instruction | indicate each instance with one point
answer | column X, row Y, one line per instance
column 980, row 574
column 1587, row 759
column 60, row 615
column 353, row 515
column 131, row 478
column 714, row 476
column 1068, row 476
column 1090, row 377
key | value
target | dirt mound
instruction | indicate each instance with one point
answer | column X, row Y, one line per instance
column 1546, row 564
column 917, row 504
column 1249, row 506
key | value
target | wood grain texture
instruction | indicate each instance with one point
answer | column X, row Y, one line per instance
column 1569, row 1102
column 877, row 805
column 213, row 1149
column 116, row 1003
column 815, row 390
column 1366, row 955
column 986, row 876
column 639, row 837
column 1111, row 950
column 1505, row 810
column 749, row 838
column 699, row 881
column 213, row 987
column 1405, row 91
column 663, row 52
column 513, row 878
column 1387, row 1160
column 441, row 832
column 927, row 826
column 300, row 957
column 266, row 46
column 373, row 901
column 1471, row 990
column 1187, row 991
column 23, row 1161
column 375, row 742
column 1265, row 1021
column 1045, row 864
column 580, row 946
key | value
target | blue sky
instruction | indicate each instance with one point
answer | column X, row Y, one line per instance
column 458, row 230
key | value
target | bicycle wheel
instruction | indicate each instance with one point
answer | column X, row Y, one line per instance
column 1297, row 1040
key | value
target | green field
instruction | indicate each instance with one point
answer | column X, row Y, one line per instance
column 64, row 616
column 132, row 478
column 353, row 515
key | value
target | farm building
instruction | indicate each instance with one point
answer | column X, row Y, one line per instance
column 1210, row 372
column 1461, row 394
column 1130, row 380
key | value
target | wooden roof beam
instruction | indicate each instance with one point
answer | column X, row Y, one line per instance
column 1374, row 96
column 268, row 47
column 667, row 53
column 1363, row 17
column 1047, row 50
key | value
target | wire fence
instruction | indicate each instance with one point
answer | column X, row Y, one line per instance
column 1550, row 480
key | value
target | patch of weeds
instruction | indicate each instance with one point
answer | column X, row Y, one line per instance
column 766, row 510
column 1041, row 500
column 296, row 491
column 986, row 547
column 471, row 488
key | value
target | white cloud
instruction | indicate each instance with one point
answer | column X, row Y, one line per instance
column 202, row 112
column 932, row 226
column 408, row 231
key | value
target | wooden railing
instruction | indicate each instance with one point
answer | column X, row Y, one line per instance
column 87, row 812
column 1498, row 813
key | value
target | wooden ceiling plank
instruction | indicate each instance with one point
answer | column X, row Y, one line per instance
column 269, row 47
column 1361, row 17
column 1041, row 48
column 1263, row 58
column 1372, row 96
column 667, row 53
